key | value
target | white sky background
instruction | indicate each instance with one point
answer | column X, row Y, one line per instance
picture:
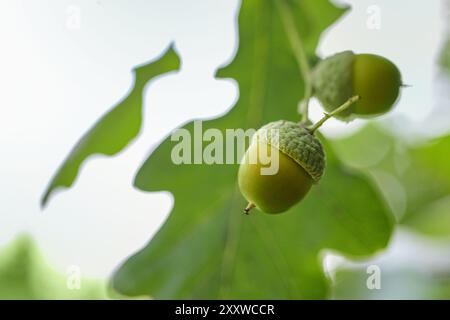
column 56, row 80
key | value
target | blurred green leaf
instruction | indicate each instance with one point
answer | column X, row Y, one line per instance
column 432, row 219
column 207, row 248
column 428, row 185
column 25, row 275
column 422, row 172
column 117, row 128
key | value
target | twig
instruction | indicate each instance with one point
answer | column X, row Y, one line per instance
column 327, row 116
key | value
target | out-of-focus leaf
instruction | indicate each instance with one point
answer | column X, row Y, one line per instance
column 422, row 172
column 366, row 148
column 428, row 185
column 207, row 248
column 117, row 128
column 433, row 219
column 25, row 275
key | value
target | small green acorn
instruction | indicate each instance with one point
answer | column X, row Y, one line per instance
column 301, row 163
column 374, row 78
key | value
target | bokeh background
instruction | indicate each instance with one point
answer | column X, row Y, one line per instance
column 64, row 63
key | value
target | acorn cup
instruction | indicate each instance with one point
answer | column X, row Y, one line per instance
column 374, row 78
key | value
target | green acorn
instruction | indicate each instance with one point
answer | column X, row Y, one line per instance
column 301, row 163
column 374, row 78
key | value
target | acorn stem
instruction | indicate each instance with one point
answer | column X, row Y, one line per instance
column 299, row 52
column 327, row 116
column 249, row 207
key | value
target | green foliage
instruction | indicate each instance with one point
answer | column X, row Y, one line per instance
column 25, row 275
column 432, row 219
column 207, row 248
column 419, row 173
column 117, row 128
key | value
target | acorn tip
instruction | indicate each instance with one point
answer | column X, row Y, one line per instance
column 249, row 207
